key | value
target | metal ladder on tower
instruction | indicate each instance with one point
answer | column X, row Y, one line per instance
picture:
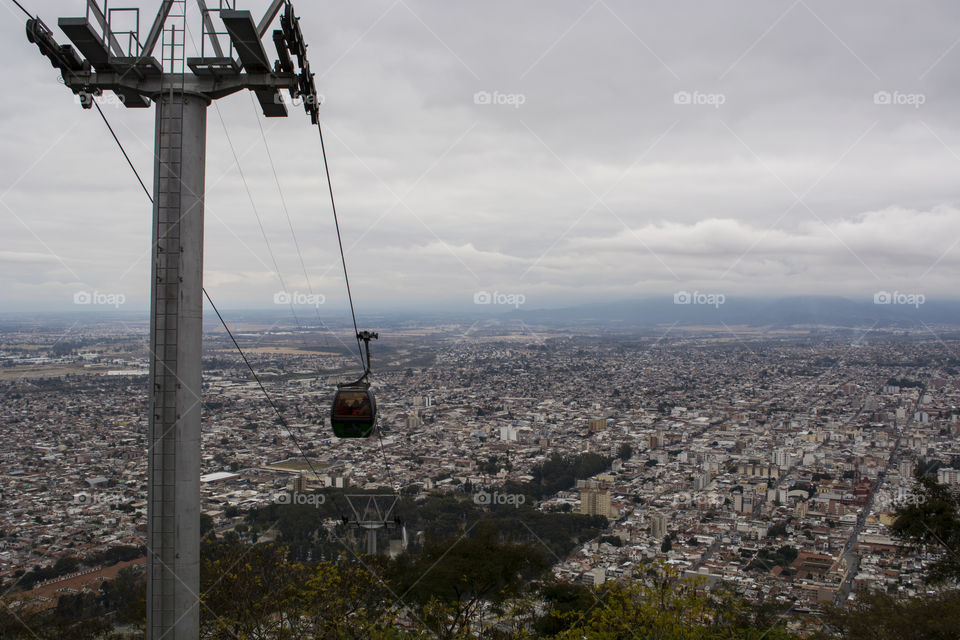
column 165, row 319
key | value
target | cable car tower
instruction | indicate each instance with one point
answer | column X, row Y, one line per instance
column 182, row 88
column 372, row 512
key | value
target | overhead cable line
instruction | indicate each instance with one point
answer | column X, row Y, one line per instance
column 286, row 212
column 256, row 213
column 222, row 321
column 346, row 278
column 120, row 144
column 22, row 9
column 343, row 258
column 283, row 201
column 273, row 404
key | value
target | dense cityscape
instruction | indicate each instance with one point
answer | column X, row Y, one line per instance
column 771, row 461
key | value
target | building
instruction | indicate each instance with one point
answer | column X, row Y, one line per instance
column 596, row 425
column 743, row 500
column 783, row 458
column 300, row 484
column 658, row 526
column 701, row 482
column 948, row 476
column 595, row 499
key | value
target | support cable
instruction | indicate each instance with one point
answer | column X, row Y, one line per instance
column 343, row 259
column 333, row 205
column 22, row 9
column 222, row 321
column 283, row 200
column 256, row 213
column 273, row 404
column 122, row 150
column 293, row 233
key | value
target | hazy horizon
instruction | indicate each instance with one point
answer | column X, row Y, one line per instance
column 599, row 152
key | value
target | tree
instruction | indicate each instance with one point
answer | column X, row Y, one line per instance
column 256, row 593
column 880, row 616
column 661, row 605
column 931, row 519
column 453, row 580
column 65, row 565
column 206, row 524
column 625, row 452
column 666, row 545
column 127, row 596
column 564, row 600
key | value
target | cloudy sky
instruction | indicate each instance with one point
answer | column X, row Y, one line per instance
column 566, row 151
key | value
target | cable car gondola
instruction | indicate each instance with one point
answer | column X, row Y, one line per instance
column 354, row 410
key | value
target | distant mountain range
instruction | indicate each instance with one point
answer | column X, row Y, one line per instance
column 782, row 312
column 691, row 311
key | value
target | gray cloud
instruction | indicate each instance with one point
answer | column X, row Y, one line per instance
column 794, row 174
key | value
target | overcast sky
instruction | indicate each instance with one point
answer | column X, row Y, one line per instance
column 566, row 151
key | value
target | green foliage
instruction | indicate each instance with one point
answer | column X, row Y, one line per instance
column 613, row 540
column 881, row 616
column 79, row 616
column 126, row 596
column 460, row 588
column 113, row 555
column 659, row 605
column 206, row 524
column 253, row 591
column 769, row 558
column 27, row 623
column 904, row 383
column 449, row 584
column 490, row 466
column 564, row 601
column 932, row 520
column 66, row 565
column 560, row 473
